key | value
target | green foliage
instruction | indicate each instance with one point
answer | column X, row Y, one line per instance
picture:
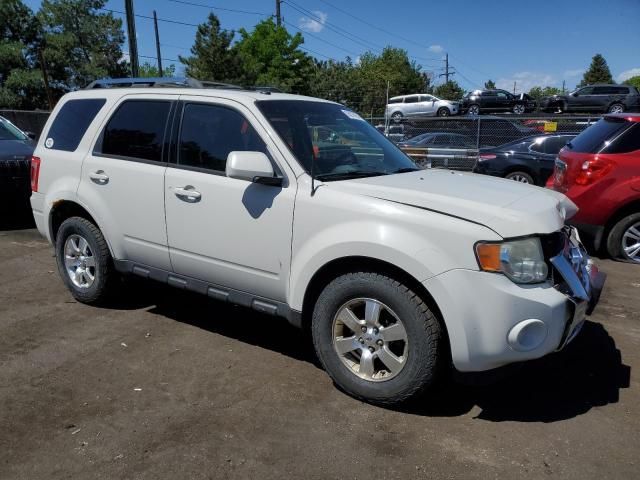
column 212, row 57
column 270, row 56
column 147, row 70
column 335, row 81
column 81, row 43
column 598, row 72
column 635, row 81
column 489, row 85
column 449, row 91
column 538, row 92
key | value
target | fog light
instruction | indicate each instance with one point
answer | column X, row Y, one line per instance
column 527, row 335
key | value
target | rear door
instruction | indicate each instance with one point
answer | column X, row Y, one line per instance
column 502, row 101
column 411, row 105
column 123, row 178
column 584, row 100
column 229, row 232
column 489, row 100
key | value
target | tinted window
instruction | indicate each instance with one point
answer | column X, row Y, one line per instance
column 620, row 90
column 593, row 139
column 136, row 130
column 209, row 133
column 9, row 132
column 554, row 144
column 627, row 142
column 602, row 90
column 412, row 99
column 489, row 94
column 395, row 100
column 586, row 91
column 426, row 98
column 72, row 122
column 539, row 145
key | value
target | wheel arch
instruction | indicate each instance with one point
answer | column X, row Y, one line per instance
column 628, row 208
column 349, row 264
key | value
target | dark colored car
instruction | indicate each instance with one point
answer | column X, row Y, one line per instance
column 529, row 160
column 484, row 101
column 600, row 171
column 16, row 149
column 595, row 99
column 440, row 140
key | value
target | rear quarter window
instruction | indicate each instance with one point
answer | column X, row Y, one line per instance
column 71, row 123
column 593, row 139
column 628, row 142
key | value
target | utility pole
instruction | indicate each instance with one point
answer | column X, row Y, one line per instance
column 563, row 90
column 278, row 16
column 155, row 26
column 514, row 87
column 133, row 41
column 447, row 72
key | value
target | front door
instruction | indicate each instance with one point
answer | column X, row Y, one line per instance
column 228, row 232
column 123, row 179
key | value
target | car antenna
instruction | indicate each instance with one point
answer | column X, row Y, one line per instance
column 313, row 177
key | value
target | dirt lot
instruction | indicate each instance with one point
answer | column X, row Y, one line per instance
column 165, row 384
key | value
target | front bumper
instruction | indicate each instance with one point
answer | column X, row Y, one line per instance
column 492, row 321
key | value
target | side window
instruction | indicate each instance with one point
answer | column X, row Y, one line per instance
column 620, row 90
column 502, row 95
column 395, row 100
column 72, row 122
column 539, row 145
column 602, row 90
column 586, row 91
column 411, row 99
column 554, row 144
column 136, row 130
column 426, row 98
column 629, row 141
column 210, row 132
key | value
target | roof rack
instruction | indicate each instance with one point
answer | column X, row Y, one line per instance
column 153, row 82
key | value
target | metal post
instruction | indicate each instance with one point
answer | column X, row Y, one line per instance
column 155, row 26
column 45, row 79
column 131, row 33
column 446, row 68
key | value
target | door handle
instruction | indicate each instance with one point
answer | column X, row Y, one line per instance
column 187, row 194
column 99, row 177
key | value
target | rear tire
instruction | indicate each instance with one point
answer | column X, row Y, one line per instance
column 623, row 242
column 519, row 109
column 84, row 261
column 521, row 177
column 396, row 117
column 616, row 108
column 359, row 361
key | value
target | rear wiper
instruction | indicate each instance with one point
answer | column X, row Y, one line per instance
column 348, row 175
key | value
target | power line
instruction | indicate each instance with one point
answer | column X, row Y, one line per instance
column 320, row 38
column 151, row 18
column 247, row 12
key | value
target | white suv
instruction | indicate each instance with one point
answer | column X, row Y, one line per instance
column 242, row 196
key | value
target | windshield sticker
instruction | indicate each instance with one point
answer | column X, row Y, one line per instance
column 352, row 115
column 49, row 142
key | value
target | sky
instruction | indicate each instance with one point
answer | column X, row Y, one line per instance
column 530, row 43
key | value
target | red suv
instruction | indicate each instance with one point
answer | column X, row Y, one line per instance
column 600, row 171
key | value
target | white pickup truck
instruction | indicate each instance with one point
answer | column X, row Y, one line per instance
column 297, row 207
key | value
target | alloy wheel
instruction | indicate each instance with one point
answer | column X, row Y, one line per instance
column 617, row 108
column 370, row 339
column 474, row 110
column 631, row 242
column 79, row 261
column 518, row 109
column 519, row 178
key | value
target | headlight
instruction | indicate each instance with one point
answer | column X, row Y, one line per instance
column 520, row 260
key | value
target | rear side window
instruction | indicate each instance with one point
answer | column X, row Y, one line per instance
column 593, row 139
column 72, row 122
column 554, row 144
column 629, row 141
column 136, row 130
column 411, row 99
column 395, row 100
column 210, row 132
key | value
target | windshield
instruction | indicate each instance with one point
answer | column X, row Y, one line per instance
column 338, row 142
column 8, row 131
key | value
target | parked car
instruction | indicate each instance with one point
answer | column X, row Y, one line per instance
column 419, row 105
column 440, row 140
column 600, row 171
column 595, row 99
column 485, row 101
column 16, row 148
column 530, row 160
column 387, row 264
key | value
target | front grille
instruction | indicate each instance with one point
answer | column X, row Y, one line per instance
column 15, row 168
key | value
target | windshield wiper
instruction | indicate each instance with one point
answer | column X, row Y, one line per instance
column 348, row 175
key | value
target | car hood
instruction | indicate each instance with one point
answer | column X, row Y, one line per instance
column 15, row 150
column 509, row 208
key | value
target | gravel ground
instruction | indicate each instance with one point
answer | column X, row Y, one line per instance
column 165, row 384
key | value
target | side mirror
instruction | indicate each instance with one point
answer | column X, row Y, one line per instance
column 251, row 166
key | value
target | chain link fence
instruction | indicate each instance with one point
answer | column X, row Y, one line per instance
column 26, row 120
column 455, row 142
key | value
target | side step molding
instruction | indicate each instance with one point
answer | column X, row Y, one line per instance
column 217, row 292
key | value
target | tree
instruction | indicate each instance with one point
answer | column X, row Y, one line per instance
column 634, row 81
column 212, row 56
column 538, row 92
column 598, row 72
column 21, row 84
column 271, row 56
column 80, row 43
column 489, row 85
column 147, row 70
column 449, row 90
column 335, row 81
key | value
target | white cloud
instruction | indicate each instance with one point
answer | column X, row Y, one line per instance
column 436, row 48
column 315, row 24
column 576, row 72
column 628, row 74
column 525, row 81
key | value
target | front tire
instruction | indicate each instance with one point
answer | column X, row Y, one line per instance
column 376, row 338
column 623, row 242
column 84, row 260
column 443, row 112
column 474, row 110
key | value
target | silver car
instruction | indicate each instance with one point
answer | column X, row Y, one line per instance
column 420, row 104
